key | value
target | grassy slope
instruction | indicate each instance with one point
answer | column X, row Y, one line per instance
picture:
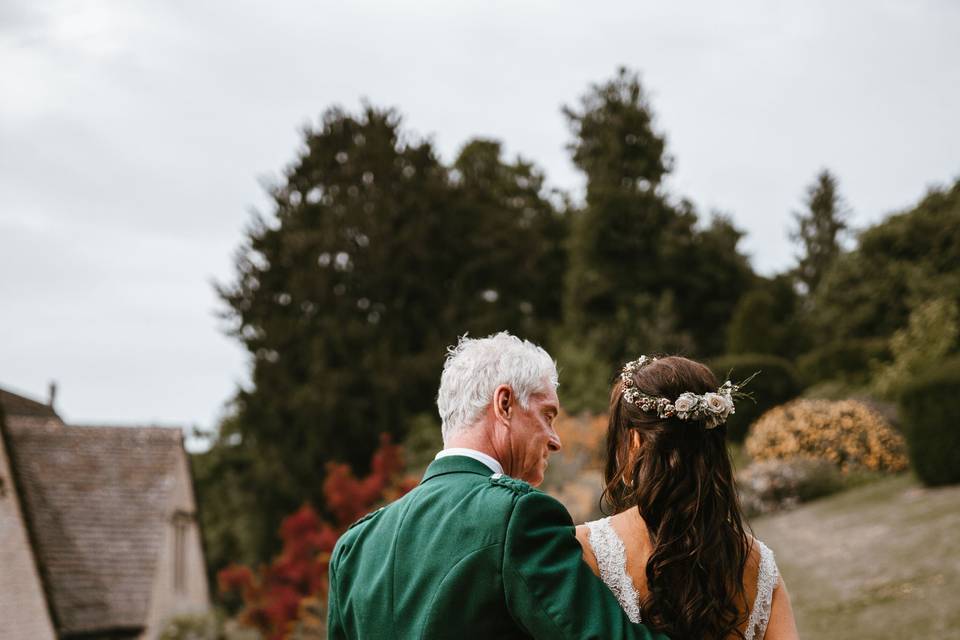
column 880, row 561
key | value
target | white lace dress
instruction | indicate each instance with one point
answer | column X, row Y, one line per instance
column 612, row 561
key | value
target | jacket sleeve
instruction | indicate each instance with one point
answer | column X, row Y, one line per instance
column 550, row 590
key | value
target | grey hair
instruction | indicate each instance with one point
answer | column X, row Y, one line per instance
column 475, row 367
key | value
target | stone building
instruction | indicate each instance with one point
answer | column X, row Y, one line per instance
column 98, row 529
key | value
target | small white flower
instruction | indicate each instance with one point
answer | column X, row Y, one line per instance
column 729, row 402
column 715, row 403
column 686, row 402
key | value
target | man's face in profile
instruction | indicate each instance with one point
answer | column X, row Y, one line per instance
column 533, row 436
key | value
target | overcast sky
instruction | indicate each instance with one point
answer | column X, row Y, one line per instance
column 134, row 136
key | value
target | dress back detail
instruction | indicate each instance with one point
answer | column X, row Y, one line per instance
column 612, row 561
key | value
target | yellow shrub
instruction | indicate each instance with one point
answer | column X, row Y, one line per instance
column 846, row 433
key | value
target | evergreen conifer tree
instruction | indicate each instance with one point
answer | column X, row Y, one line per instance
column 378, row 258
column 642, row 276
column 819, row 229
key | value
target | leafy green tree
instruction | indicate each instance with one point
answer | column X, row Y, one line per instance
column 585, row 376
column 378, row 256
column 909, row 258
column 230, row 511
column 634, row 255
column 819, row 228
column 928, row 339
column 615, row 142
column 708, row 279
column 512, row 244
column 332, row 302
column 616, row 249
column 768, row 320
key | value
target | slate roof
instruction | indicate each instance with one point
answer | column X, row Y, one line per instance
column 17, row 405
column 96, row 501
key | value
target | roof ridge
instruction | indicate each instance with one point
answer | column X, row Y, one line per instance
column 17, row 404
column 154, row 427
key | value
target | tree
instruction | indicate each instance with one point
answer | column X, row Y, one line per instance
column 231, row 514
column 615, row 143
column 642, row 276
column 898, row 264
column 511, row 245
column 767, row 320
column 625, row 218
column 335, row 303
column 819, row 230
column 709, row 278
column 377, row 257
column 925, row 343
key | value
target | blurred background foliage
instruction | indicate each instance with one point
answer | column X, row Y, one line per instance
column 377, row 256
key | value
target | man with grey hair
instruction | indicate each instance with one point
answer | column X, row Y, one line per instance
column 506, row 370
column 475, row 551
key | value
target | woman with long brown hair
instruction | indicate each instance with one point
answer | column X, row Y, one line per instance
column 676, row 552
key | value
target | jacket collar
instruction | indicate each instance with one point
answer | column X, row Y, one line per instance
column 455, row 464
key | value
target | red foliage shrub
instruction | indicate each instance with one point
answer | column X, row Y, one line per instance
column 274, row 597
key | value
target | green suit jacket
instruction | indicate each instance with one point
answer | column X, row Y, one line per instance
column 465, row 555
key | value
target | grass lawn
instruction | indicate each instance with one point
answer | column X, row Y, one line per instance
column 878, row 561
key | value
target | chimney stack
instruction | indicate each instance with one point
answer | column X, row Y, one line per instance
column 53, row 393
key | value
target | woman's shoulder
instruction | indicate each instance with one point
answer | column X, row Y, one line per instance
column 760, row 560
column 760, row 563
column 582, row 531
column 583, row 535
column 760, row 579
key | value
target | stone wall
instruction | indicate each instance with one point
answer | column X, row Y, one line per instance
column 23, row 607
column 193, row 596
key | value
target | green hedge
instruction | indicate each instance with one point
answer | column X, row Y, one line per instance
column 931, row 417
column 849, row 361
column 777, row 383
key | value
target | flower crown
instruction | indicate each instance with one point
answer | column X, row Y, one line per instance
column 712, row 408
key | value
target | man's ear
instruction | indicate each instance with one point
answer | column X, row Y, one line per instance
column 503, row 403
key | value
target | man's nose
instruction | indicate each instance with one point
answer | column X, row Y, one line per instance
column 554, row 443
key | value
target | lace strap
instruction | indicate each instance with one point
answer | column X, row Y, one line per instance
column 767, row 579
column 612, row 562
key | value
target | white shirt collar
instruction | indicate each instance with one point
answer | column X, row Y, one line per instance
column 491, row 462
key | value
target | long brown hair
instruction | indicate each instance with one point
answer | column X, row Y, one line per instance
column 681, row 481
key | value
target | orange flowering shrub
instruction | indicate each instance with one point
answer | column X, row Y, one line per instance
column 287, row 598
column 575, row 474
column 583, row 438
column 847, row 433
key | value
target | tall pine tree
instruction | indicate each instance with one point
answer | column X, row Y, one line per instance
column 643, row 277
column 617, row 250
column 819, row 229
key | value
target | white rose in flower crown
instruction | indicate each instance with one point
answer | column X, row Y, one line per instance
column 727, row 400
column 686, row 402
column 715, row 403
